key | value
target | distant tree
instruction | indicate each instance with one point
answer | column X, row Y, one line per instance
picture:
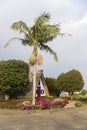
column 52, row 86
column 71, row 81
column 13, row 76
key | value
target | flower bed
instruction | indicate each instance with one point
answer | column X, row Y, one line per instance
column 10, row 105
column 44, row 103
column 41, row 104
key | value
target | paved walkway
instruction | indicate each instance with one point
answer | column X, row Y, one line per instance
column 64, row 119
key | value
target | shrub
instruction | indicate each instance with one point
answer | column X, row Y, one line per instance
column 78, row 104
column 79, row 97
column 75, row 97
column 84, row 92
column 13, row 77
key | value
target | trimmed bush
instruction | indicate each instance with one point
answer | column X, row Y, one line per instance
column 13, row 77
column 78, row 104
column 83, row 92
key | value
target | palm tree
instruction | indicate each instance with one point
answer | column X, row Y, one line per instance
column 37, row 36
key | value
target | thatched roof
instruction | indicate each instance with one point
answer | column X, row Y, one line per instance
column 39, row 76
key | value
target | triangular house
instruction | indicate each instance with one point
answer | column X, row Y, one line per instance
column 39, row 78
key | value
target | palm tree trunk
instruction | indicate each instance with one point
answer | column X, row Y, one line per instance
column 34, row 85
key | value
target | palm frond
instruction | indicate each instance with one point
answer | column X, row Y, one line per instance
column 43, row 18
column 27, row 42
column 24, row 41
column 21, row 26
column 48, row 49
column 12, row 39
column 47, row 33
column 52, row 32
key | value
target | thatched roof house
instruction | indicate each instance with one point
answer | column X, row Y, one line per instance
column 39, row 76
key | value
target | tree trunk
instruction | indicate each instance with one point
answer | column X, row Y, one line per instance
column 34, row 85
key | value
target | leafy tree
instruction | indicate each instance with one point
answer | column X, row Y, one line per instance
column 71, row 81
column 37, row 36
column 52, row 86
column 13, row 76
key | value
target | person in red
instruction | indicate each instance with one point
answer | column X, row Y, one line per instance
column 38, row 91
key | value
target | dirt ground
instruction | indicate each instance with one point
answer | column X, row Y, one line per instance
column 58, row 119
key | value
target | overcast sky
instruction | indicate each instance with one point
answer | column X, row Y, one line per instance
column 71, row 50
